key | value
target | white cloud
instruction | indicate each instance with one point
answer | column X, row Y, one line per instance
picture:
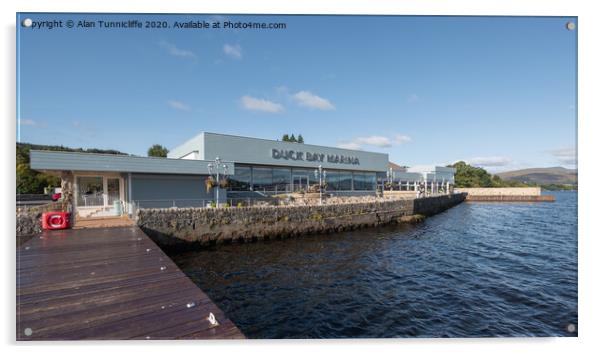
column 374, row 140
column 349, row 145
column 489, row 161
column 258, row 104
column 308, row 99
column 28, row 122
column 567, row 156
column 175, row 51
column 234, row 51
column 400, row 139
column 178, row 105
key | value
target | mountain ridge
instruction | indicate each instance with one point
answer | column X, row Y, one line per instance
column 542, row 175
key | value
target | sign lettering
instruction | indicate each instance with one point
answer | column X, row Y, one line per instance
column 281, row 154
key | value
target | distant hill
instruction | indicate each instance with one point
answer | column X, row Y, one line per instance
column 542, row 176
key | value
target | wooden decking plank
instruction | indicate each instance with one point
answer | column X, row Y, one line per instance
column 87, row 290
column 154, row 265
column 59, row 306
column 144, row 319
column 34, row 263
column 105, row 315
column 103, row 284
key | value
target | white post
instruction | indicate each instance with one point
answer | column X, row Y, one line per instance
column 217, row 191
column 320, row 185
column 319, row 174
column 130, row 208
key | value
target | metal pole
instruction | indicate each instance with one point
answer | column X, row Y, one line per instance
column 320, row 184
column 217, row 191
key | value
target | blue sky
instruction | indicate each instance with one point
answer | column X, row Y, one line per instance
column 499, row 92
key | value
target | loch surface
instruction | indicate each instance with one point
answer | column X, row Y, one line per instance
column 478, row 269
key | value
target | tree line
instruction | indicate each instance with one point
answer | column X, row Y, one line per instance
column 33, row 182
column 291, row 138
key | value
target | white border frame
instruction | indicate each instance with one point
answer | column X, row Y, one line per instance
column 589, row 127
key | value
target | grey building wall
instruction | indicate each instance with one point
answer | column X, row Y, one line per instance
column 195, row 144
column 254, row 151
column 164, row 191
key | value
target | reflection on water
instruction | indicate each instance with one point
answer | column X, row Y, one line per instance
column 479, row 269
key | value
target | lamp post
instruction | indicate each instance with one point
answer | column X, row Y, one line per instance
column 390, row 178
column 320, row 175
column 214, row 168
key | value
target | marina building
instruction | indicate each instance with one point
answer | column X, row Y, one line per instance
column 227, row 168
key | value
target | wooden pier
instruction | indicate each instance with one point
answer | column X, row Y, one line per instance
column 109, row 283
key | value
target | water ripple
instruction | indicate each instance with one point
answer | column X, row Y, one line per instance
column 477, row 270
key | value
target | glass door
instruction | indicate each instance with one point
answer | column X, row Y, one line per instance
column 113, row 192
column 96, row 196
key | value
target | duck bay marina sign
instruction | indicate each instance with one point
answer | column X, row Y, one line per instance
column 314, row 156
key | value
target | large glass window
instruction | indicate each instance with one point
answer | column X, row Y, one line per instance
column 364, row 181
column 241, row 180
column 281, row 179
column 345, row 181
column 332, row 180
column 262, row 179
column 358, row 181
column 313, row 177
column 89, row 191
column 370, row 181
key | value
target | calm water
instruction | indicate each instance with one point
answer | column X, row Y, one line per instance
column 497, row 269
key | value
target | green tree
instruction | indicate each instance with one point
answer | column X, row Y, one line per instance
column 157, row 151
column 300, row 139
column 468, row 176
column 285, row 137
column 33, row 182
column 293, row 139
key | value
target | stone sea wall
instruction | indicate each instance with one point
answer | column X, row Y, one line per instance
column 29, row 220
column 29, row 223
column 172, row 227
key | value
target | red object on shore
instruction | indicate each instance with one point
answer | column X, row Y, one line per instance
column 56, row 196
column 55, row 220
